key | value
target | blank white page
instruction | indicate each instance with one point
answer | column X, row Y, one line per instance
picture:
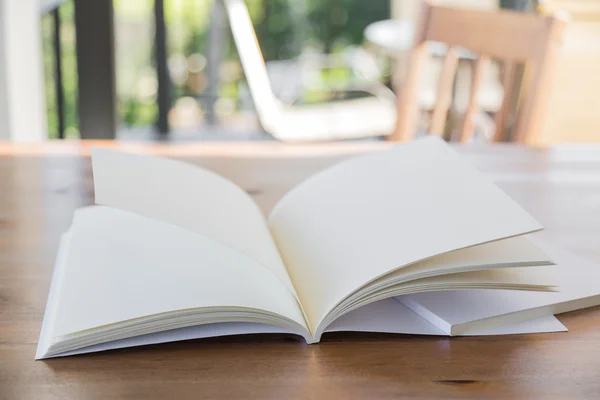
column 539, row 325
column 514, row 251
column 386, row 316
column 391, row 316
column 367, row 216
column 120, row 266
column 187, row 196
column 578, row 280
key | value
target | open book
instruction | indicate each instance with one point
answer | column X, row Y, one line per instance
column 172, row 251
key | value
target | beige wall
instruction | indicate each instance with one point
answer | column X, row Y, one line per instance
column 22, row 97
column 574, row 110
column 4, row 122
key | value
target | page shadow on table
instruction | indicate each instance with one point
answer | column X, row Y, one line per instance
column 344, row 362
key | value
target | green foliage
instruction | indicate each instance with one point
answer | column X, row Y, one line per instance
column 284, row 29
column 345, row 20
column 69, row 70
column 51, row 108
column 273, row 22
column 69, row 67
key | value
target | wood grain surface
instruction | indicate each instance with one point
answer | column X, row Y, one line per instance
column 41, row 185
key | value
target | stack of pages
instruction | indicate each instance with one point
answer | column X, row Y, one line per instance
column 411, row 240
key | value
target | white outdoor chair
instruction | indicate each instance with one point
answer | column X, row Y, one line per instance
column 373, row 116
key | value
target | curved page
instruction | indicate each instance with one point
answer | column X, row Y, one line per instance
column 578, row 288
column 189, row 197
column 122, row 266
column 516, row 251
column 373, row 214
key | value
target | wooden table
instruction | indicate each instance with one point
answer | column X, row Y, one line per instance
column 41, row 185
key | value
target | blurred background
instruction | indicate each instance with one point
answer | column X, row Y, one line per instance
column 171, row 69
column 286, row 30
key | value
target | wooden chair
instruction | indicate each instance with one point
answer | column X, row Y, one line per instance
column 345, row 119
column 511, row 37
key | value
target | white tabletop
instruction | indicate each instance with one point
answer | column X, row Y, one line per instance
column 397, row 36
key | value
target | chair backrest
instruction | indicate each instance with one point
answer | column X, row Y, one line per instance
column 267, row 106
column 514, row 38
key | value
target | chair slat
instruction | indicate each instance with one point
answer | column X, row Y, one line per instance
column 511, row 37
column 444, row 93
column 408, row 109
column 468, row 125
column 509, row 82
